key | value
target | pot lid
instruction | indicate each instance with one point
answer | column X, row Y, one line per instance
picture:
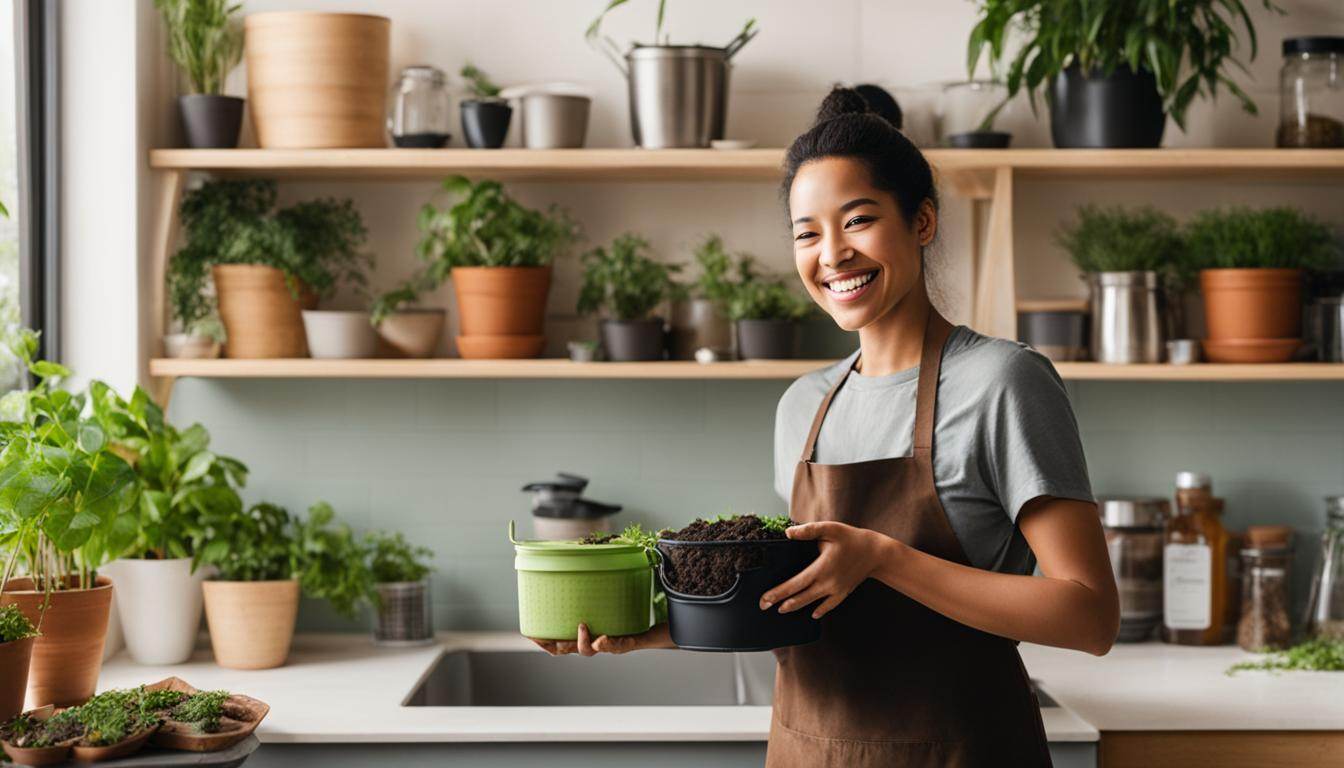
column 1133, row 511
column 1293, row 46
column 564, row 482
column 577, row 509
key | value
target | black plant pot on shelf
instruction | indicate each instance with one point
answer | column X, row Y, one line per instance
column 211, row 122
column 1122, row 110
column 767, row 339
column 980, row 140
column 485, row 124
column 631, row 340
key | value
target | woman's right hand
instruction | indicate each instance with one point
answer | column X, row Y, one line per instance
column 586, row 645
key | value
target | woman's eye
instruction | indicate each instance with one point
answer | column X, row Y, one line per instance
column 858, row 220
column 801, row 236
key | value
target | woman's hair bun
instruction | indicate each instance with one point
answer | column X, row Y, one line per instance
column 842, row 101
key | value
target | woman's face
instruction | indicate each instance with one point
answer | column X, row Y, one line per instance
column 855, row 251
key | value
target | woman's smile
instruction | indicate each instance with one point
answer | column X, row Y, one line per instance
column 849, row 285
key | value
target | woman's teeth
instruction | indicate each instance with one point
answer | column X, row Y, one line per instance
column 851, row 284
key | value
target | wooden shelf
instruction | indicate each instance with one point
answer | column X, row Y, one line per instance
column 734, row 165
column 452, row 368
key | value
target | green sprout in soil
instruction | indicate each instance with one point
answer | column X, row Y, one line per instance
column 160, row 702
column 202, row 710
column 111, row 717
column 1318, row 655
column 776, row 523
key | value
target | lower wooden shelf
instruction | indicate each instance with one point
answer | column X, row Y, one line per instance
column 453, row 368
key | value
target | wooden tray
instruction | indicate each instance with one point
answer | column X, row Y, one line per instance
column 242, row 715
column 124, row 748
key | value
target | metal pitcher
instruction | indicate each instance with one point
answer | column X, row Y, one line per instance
column 678, row 94
column 1127, row 319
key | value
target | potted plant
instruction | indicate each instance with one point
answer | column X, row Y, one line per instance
column 767, row 311
column 1128, row 257
column 401, row 591
column 158, row 586
column 66, row 501
column 627, row 285
column 408, row 331
column 1113, row 72
column 1251, row 265
column 678, row 93
column 485, row 116
column 205, row 39
column 499, row 255
column 266, row 265
column 700, row 313
column 17, row 635
column 264, row 559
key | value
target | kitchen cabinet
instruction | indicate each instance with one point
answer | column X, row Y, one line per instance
column 1222, row 749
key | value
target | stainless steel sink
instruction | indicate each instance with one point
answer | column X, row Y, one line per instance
column 465, row 678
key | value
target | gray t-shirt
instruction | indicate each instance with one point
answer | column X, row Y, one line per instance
column 1004, row 434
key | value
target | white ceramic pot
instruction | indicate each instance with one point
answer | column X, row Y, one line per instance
column 159, row 602
column 339, row 334
column 190, row 346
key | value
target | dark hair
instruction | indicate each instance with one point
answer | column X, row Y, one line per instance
column 847, row 127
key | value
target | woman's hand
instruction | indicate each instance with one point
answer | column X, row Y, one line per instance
column 848, row 556
column 658, row 637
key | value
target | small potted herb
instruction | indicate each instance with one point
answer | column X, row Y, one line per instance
column 267, row 265
column 625, row 283
column 17, row 634
column 205, row 39
column 700, row 314
column 158, row 587
column 1251, row 267
column 485, row 116
column 1129, row 257
column 498, row 253
column 401, row 585
column 767, row 311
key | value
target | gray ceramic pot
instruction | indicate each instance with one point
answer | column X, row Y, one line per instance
column 631, row 340
column 767, row 339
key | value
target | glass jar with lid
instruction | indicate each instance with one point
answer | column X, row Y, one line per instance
column 418, row 114
column 1311, row 93
column 1133, row 528
column 1265, row 560
column 1325, row 607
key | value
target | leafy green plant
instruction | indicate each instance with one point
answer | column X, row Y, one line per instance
column 1316, row 655
column 202, row 710
column 593, row 33
column 160, row 702
column 1119, row 239
column 482, row 226
column 14, row 625
column 624, row 280
column 776, row 523
column 768, row 299
column 720, row 272
column 317, row 243
column 394, row 559
column 1185, row 44
column 1281, row 237
column 181, row 479
column 482, row 87
column 257, row 545
column 332, row 561
column 205, row 39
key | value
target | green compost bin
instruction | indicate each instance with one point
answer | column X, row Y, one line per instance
column 561, row 584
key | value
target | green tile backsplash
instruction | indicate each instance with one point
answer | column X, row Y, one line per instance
column 444, row 460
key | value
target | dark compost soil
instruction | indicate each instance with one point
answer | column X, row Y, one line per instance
column 598, row 538
column 713, row 570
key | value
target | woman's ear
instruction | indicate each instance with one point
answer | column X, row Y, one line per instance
column 926, row 223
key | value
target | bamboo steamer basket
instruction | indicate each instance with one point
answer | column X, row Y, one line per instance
column 317, row 80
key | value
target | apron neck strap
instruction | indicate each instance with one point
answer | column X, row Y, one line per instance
column 936, row 331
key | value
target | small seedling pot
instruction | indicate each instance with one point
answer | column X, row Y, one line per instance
column 633, row 340
column 36, row 756
column 15, row 657
column 734, row 621
column 485, row 122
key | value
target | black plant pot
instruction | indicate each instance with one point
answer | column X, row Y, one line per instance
column 1119, row 111
column 631, row 340
column 980, row 140
column 211, row 122
column 485, row 123
column 734, row 621
column 767, row 339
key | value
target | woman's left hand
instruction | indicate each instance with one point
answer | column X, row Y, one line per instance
column 848, row 556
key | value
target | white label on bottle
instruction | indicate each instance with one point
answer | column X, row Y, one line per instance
column 1187, row 586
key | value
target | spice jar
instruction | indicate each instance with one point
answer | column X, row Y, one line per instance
column 1133, row 527
column 1194, row 566
column 1325, row 607
column 1264, row 623
column 1311, row 93
column 418, row 114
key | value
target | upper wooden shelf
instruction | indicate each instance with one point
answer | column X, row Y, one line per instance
column 453, row 368
column 735, row 165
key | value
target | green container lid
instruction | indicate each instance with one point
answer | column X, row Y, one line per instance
column 571, row 556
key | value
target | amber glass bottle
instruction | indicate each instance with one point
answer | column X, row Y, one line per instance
column 1194, row 566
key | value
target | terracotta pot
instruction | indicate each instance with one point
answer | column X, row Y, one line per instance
column 68, row 656
column 251, row 622
column 500, row 347
column 1252, row 303
column 261, row 316
column 317, row 79
column 411, row 332
column 14, row 659
column 497, row 301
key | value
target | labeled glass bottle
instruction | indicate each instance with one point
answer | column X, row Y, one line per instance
column 1194, row 566
column 1325, row 607
column 418, row 114
column 1264, row 623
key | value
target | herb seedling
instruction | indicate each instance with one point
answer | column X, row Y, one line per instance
column 1317, row 655
column 202, row 710
column 482, row 87
column 14, row 625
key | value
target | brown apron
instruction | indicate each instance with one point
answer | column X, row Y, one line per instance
column 891, row 682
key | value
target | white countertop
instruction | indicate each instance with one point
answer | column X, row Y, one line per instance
column 341, row 688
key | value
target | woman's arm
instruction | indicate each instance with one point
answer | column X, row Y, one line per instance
column 1075, row 604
